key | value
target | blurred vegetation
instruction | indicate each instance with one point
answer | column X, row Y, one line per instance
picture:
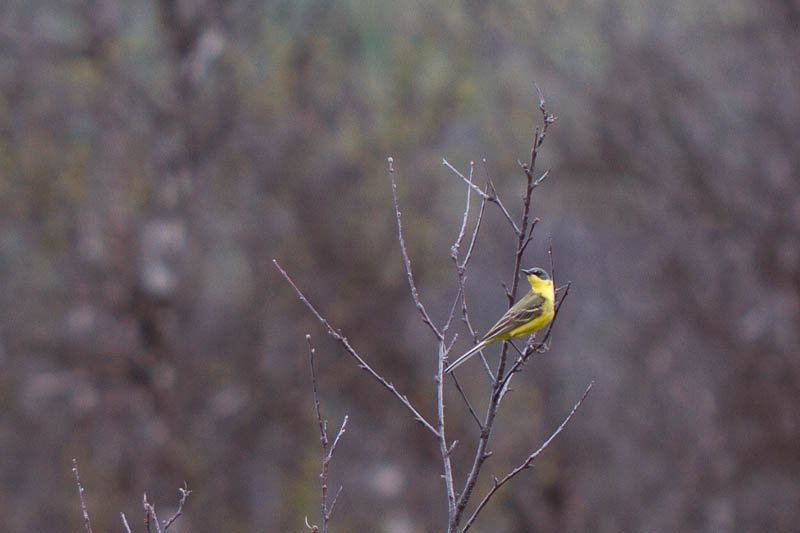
column 157, row 155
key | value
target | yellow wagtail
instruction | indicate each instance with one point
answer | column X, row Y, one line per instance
column 533, row 312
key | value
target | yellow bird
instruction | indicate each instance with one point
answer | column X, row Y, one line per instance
column 533, row 312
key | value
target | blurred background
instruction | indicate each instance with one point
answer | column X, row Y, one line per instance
column 156, row 156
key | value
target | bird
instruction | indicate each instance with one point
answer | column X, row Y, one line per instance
column 531, row 313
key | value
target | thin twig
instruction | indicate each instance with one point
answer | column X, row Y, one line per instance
column 335, row 498
column 527, row 463
column 125, row 523
column 184, row 494
column 463, row 229
column 492, row 196
column 350, row 350
column 461, row 273
column 327, row 448
column 338, row 435
column 406, row 259
column 467, row 181
column 529, row 238
column 323, row 433
column 461, row 267
column 466, row 401
column 452, row 315
column 443, row 446
column 84, row 510
column 474, row 235
column 150, row 511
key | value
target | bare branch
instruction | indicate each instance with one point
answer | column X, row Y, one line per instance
column 452, row 447
column 323, row 433
column 466, row 401
column 451, row 316
column 350, row 350
column 529, row 238
column 468, row 181
column 327, row 451
column 527, row 462
column 497, row 201
column 489, row 197
column 461, row 232
column 500, row 382
column 474, row 235
column 184, row 494
column 443, row 446
column 84, row 510
column 338, row 435
column 335, row 498
column 406, row 259
column 125, row 523
column 150, row 511
column 541, row 97
column 541, row 178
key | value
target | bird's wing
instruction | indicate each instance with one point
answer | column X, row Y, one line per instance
column 522, row 312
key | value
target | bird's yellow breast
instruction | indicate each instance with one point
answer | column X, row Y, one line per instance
column 545, row 288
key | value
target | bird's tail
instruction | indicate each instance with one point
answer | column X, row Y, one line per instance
column 469, row 353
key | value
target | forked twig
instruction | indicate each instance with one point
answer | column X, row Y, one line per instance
column 184, row 494
column 528, row 462
column 491, row 196
column 150, row 512
column 327, row 448
column 350, row 350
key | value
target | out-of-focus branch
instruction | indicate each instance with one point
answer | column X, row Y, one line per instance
column 527, row 463
column 350, row 350
column 84, row 510
column 184, row 494
column 327, row 448
column 125, row 523
column 150, row 512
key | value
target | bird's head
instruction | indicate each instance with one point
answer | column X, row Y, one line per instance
column 538, row 272
column 539, row 279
